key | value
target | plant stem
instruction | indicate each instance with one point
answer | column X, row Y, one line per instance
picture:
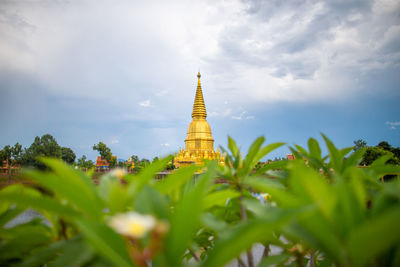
column 240, row 262
column 312, row 259
column 266, row 251
column 243, row 216
column 194, row 255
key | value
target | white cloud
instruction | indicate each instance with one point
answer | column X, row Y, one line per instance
column 162, row 92
column 213, row 114
column 393, row 124
column 114, row 141
column 224, row 113
column 243, row 116
column 165, row 145
column 249, row 51
column 145, row 103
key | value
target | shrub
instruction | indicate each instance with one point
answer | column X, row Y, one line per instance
column 320, row 210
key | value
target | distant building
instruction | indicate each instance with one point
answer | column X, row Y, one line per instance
column 130, row 164
column 101, row 164
column 9, row 168
column 290, row 157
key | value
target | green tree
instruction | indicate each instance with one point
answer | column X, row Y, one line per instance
column 155, row 159
column 385, row 146
column 17, row 153
column 122, row 164
column 373, row 153
column 82, row 163
column 113, row 162
column 68, row 155
column 140, row 164
column 45, row 146
column 135, row 159
column 396, row 152
column 359, row 144
column 104, row 151
column 5, row 154
column 170, row 166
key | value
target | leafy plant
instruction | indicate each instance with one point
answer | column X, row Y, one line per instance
column 319, row 210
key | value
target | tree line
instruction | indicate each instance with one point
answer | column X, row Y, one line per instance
column 372, row 153
column 47, row 146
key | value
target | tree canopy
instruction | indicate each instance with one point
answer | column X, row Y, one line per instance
column 68, row 155
column 372, row 153
column 45, row 146
column 359, row 144
column 105, row 153
column 83, row 163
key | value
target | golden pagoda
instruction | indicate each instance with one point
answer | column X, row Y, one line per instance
column 199, row 143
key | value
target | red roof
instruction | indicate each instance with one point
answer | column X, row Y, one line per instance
column 101, row 162
column 290, row 157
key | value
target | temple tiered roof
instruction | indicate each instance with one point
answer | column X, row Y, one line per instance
column 199, row 143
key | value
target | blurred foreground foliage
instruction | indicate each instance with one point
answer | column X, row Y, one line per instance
column 318, row 210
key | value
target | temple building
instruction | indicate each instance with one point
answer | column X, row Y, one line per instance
column 199, row 143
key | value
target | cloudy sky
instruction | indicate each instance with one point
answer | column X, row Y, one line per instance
column 124, row 72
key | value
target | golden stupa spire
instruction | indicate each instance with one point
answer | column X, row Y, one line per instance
column 199, row 108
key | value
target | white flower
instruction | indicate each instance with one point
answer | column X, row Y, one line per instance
column 118, row 172
column 132, row 224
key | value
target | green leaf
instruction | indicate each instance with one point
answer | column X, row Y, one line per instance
column 381, row 170
column 263, row 184
column 350, row 210
column 105, row 241
column 238, row 240
column 74, row 253
column 265, row 151
column 313, row 147
column 334, row 154
column 43, row 255
column 355, row 158
column 381, row 161
column 219, row 198
column 113, row 193
column 9, row 214
column 301, row 149
column 346, row 150
column 21, row 239
column 150, row 201
column 271, row 166
column 274, row 260
column 233, row 147
column 176, row 179
column 27, row 197
column 137, row 182
column 315, row 231
column 310, row 186
column 187, row 217
column 68, row 185
column 78, row 178
column 374, row 237
column 71, row 252
column 253, row 150
column 212, row 222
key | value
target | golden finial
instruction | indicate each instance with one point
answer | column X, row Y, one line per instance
column 199, row 108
